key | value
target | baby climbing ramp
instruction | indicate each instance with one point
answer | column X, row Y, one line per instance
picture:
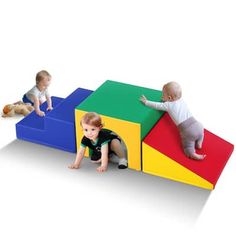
column 151, row 138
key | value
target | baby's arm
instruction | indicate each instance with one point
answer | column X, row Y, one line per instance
column 78, row 159
column 155, row 105
column 37, row 106
column 49, row 102
column 104, row 158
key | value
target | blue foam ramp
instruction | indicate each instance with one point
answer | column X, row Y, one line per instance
column 57, row 128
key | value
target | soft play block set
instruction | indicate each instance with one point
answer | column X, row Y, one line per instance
column 152, row 140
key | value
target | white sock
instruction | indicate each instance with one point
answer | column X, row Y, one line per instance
column 123, row 161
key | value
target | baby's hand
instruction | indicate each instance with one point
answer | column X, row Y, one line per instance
column 143, row 99
column 40, row 113
column 74, row 166
column 102, row 169
column 49, row 108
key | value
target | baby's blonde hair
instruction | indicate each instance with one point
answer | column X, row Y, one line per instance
column 41, row 75
column 91, row 118
column 173, row 89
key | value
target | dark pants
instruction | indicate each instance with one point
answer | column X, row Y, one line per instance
column 191, row 133
column 26, row 100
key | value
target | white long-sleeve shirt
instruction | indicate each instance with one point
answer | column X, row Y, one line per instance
column 177, row 110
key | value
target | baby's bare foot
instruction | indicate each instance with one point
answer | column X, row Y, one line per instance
column 198, row 157
column 199, row 145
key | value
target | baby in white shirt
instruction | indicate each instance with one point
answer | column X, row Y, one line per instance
column 39, row 93
column 191, row 131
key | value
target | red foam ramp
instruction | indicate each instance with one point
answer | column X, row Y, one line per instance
column 165, row 138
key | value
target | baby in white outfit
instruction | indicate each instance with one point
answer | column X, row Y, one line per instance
column 39, row 93
column 191, row 131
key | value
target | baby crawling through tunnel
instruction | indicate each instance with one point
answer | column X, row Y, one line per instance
column 105, row 145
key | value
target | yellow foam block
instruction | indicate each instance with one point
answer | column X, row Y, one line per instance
column 129, row 132
column 156, row 163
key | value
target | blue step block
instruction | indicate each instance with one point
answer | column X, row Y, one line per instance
column 57, row 128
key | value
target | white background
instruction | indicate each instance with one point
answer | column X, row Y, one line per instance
column 82, row 44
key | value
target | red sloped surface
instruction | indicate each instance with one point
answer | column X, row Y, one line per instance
column 165, row 138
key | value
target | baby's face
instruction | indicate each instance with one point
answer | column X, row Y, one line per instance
column 45, row 82
column 91, row 132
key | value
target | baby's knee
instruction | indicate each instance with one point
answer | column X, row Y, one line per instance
column 115, row 143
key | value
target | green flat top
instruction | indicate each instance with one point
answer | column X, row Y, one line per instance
column 121, row 101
